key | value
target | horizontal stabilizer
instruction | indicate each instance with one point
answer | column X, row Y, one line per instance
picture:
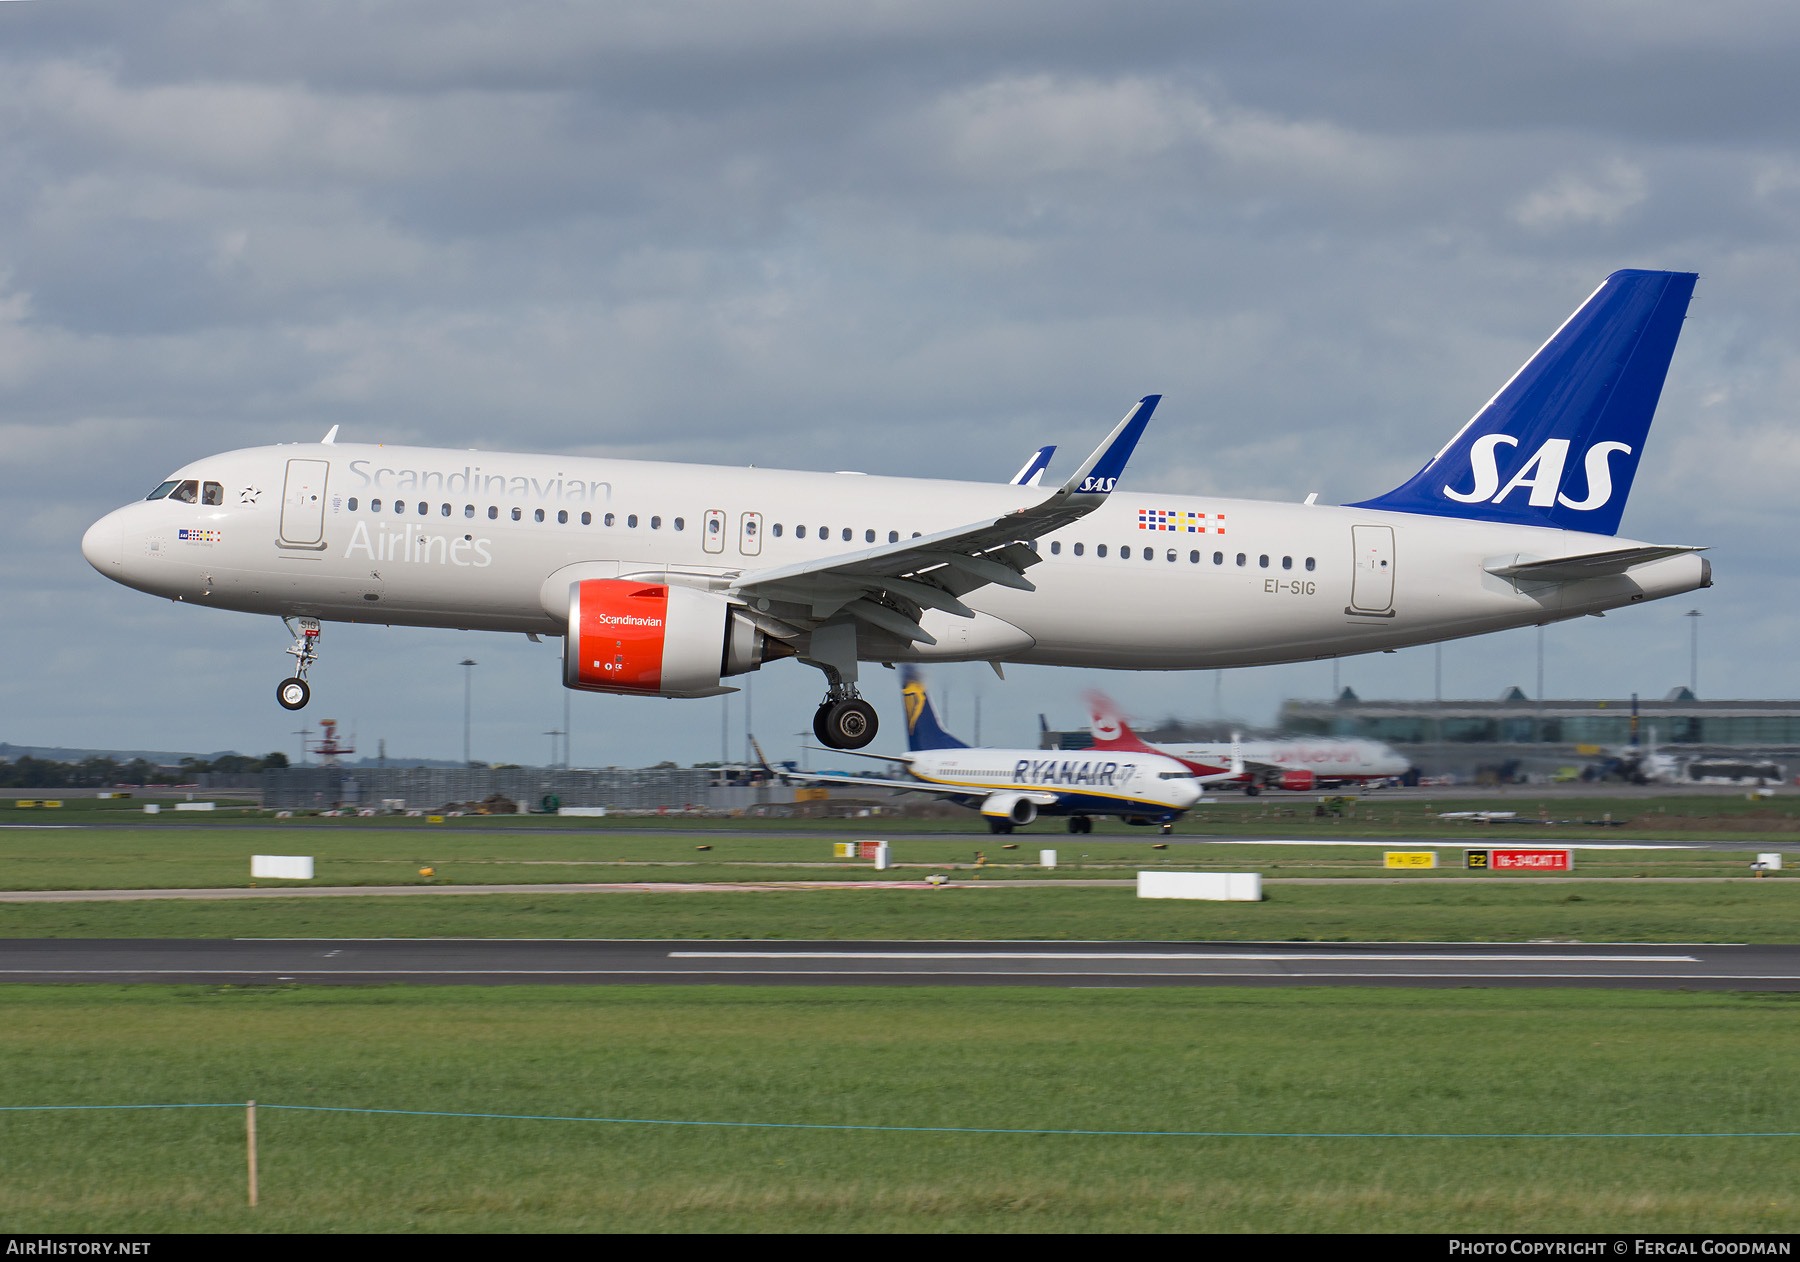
column 1587, row 565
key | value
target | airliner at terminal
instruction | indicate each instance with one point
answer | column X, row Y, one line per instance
column 668, row 579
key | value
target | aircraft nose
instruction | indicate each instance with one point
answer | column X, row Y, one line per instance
column 1186, row 792
column 104, row 544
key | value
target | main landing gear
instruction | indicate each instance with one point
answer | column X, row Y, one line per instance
column 1080, row 824
column 845, row 722
column 293, row 693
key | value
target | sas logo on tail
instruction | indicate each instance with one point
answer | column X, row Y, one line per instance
column 1102, row 486
column 1542, row 474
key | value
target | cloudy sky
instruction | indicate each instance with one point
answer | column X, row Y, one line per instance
column 915, row 238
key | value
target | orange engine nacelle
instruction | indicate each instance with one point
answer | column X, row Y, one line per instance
column 655, row 639
column 1296, row 781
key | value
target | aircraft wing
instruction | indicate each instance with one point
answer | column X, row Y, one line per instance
column 1587, row 565
column 873, row 782
column 890, row 586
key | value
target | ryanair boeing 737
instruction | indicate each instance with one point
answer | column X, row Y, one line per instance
column 667, row 579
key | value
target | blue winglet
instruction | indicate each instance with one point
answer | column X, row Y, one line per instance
column 1559, row 444
column 1034, row 467
column 1101, row 472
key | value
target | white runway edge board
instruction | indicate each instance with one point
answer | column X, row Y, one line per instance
column 1228, row 887
column 281, row 867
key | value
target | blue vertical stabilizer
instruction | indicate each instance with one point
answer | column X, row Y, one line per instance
column 1560, row 444
column 922, row 730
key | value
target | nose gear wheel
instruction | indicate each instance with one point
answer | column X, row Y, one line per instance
column 294, row 692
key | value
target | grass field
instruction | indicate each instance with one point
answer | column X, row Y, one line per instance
column 1373, row 814
column 153, row 858
column 1618, row 911
column 1238, row 1060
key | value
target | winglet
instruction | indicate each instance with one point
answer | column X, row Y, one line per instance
column 1032, row 472
column 330, row 439
column 1099, row 473
column 762, row 759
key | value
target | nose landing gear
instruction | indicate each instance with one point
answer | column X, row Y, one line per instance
column 293, row 693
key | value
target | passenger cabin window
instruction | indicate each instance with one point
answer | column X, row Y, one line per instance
column 777, row 529
column 493, row 512
column 444, row 511
column 1055, row 547
column 1100, row 550
column 1171, row 554
column 1125, row 554
column 517, row 514
column 1240, row 558
column 607, row 520
column 680, row 523
column 631, row 520
column 537, row 515
column 1309, row 563
column 893, row 536
column 587, row 519
column 374, row 506
column 212, row 493
column 162, row 490
column 1080, row 548
column 352, row 505
column 468, row 510
column 562, row 516
column 1287, row 563
column 1218, row 558
column 656, row 523
column 799, row 531
column 188, row 492
column 1263, row 561
column 868, row 536
column 1194, row 558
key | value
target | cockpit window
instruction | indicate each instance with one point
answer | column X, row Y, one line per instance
column 212, row 493
column 188, row 492
column 161, row 491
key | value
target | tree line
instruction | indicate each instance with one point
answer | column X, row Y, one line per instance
column 100, row 772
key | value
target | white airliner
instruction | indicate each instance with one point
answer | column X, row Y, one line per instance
column 1012, row 787
column 666, row 579
column 1297, row 764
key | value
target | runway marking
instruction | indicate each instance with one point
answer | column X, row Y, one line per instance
column 1476, row 843
column 1188, row 955
column 775, row 972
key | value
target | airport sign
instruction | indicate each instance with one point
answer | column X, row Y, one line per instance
column 1518, row 860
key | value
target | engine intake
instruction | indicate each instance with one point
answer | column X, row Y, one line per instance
column 656, row 639
column 1013, row 807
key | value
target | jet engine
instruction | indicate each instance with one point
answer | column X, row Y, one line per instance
column 1014, row 808
column 656, row 639
column 1296, row 781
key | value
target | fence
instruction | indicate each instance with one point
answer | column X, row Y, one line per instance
column 304, row 788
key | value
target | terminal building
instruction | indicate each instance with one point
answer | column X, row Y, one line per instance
column 1521, row 736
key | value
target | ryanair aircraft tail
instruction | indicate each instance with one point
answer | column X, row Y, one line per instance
column 1559, row 445
column 922, row 730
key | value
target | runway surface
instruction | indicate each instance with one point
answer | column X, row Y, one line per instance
column 1066, row 964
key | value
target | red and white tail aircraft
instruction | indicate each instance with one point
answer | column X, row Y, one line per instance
column 668, row 579
column 1299, row 765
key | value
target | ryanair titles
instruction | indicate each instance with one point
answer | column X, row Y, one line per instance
column 1072, row 771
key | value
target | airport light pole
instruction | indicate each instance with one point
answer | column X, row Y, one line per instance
column 468, row 692
column 1693, row 616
